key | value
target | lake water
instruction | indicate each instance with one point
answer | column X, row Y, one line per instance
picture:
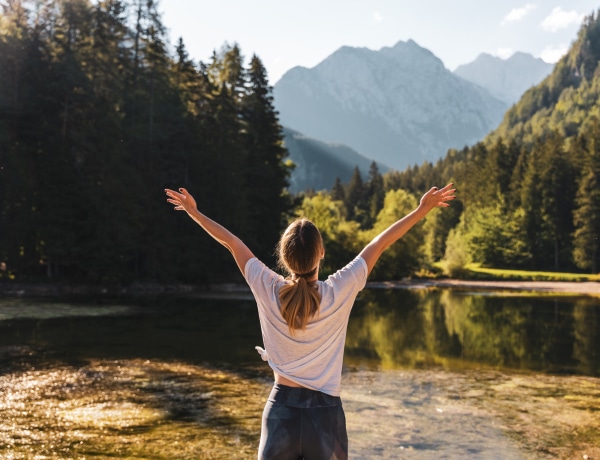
column 429, row 373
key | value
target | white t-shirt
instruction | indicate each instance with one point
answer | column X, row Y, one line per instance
column 312, row 357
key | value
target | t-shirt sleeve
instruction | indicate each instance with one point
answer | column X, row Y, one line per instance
column 260, row 278
column 352, row 278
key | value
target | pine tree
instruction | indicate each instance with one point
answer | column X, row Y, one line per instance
column 17, row 57
column 586, row 216
column 375, row 192
column 546, row 197
column 586, row 251
column 337, row 192
column 265, row 171
column 355, row 197
column 557, row 188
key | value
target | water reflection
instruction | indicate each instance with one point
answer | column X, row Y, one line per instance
column 454, row 329
column 193, row 330
column 428, row 377
column 388, row 329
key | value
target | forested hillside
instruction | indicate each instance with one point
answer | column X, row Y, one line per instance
column 529, row 193
column 531, row 189
column 98, row 114
column 567, row 100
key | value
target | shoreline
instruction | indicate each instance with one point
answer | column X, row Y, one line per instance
column 591, row 288
column 558, row 287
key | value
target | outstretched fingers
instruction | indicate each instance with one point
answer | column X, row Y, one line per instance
column 182, row 200
column 447, row 194
column 175, row 199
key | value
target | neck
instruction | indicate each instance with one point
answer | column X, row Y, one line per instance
column 310, row 279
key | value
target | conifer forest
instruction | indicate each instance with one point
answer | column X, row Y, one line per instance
column 99, row 113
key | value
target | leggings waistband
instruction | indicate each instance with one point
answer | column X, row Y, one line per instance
column 303, row 398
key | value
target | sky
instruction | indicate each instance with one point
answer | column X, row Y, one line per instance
column 289, row 33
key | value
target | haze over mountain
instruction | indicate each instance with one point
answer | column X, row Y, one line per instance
column 319, row 163
column 505, row 79
column 399, row 106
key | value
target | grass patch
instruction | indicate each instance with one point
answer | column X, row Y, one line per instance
column 474, row 271
column 477, row 272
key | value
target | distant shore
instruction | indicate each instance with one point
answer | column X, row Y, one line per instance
column 240, row 289
column 566, row 287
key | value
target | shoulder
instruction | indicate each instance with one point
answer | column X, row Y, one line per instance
column 256, row 271
column 355, row 273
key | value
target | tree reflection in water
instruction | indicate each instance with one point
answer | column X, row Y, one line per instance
column 458, row 329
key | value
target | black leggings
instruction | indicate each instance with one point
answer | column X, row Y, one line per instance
column 299, row 423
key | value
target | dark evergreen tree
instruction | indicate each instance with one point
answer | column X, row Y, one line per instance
column 337, row 192
column 375, row 192
column 355, row 197
column 92, row 112
column 265, row 171
column 558, row 181
column 586, row 216
column 19, row 59
column 546, row 196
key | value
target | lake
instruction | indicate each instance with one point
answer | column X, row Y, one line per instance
column 429, row 373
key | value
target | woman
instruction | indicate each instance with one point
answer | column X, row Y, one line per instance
column 303, row 322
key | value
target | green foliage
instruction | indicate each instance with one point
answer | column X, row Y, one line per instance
column 406, row 256
column 456, row 256
column 586, row 237
column 437, row 228
column 494, row 236
column 341, row 237
column 355, row 198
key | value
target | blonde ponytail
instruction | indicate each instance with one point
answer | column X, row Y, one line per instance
column 300, row 301
column 299, row 251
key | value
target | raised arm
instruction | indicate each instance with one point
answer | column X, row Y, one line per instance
column 184, row 201
column 433, row 198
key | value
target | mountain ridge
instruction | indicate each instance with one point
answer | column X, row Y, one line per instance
column 398, row 105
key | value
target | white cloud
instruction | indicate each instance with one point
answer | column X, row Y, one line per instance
column 561, row 19
column 516, row 14
column 504, row 53
column 377, row 17
column 552, row 54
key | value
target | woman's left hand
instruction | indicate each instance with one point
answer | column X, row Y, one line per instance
column 182, row 201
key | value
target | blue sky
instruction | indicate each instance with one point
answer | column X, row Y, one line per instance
column 286, row 33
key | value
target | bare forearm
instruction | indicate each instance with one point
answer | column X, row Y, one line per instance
column 397, row 230
column 433, row 198
column 184, row 201
column 392, row 234
column 214, row 229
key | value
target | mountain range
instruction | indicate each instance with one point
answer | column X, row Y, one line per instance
column 397, row 106
column 505, row 79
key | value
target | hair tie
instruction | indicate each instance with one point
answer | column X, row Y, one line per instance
column 305, row 275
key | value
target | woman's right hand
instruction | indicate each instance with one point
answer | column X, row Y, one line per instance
column 435, row 197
